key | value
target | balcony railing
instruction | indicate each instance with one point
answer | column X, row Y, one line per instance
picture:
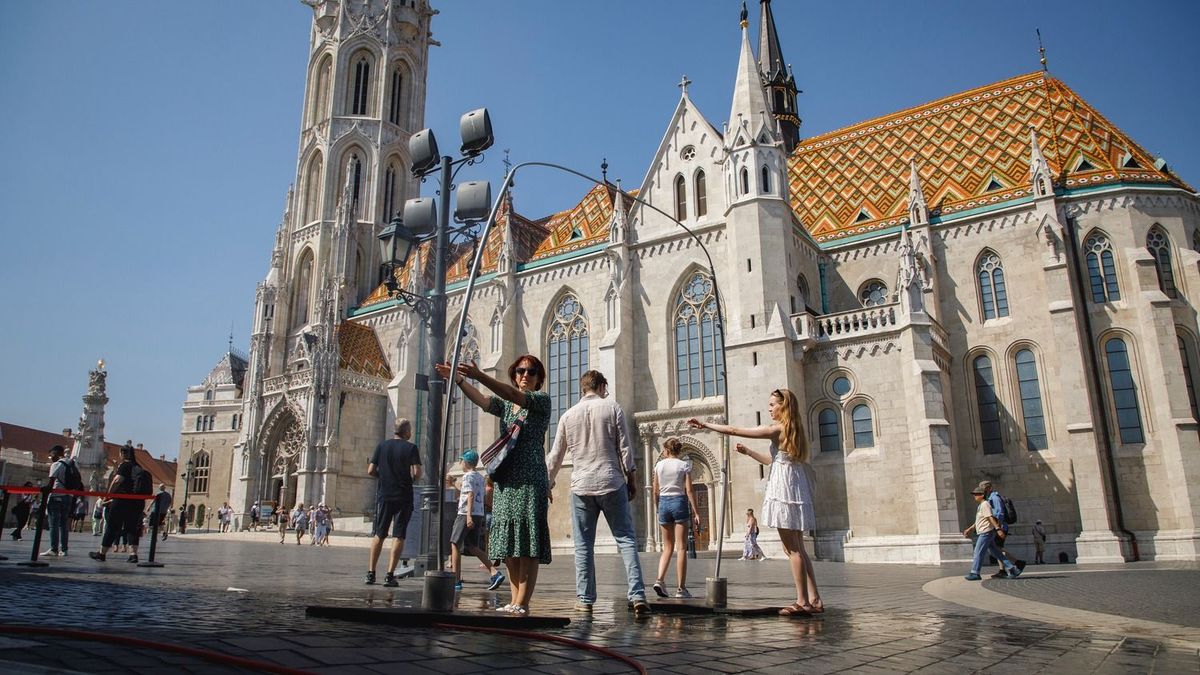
column 852, row 324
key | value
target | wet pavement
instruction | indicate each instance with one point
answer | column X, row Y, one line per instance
column 247, row 600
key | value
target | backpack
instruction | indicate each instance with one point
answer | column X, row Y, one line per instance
column 1010, row 511
column 143, row 482
column 73, row 480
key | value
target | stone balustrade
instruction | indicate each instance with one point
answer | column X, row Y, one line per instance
column 853, row 324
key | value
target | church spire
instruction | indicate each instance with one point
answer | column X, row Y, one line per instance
column 749, row 100
column 1039, row 169
column 918, row 210
column 777, row 77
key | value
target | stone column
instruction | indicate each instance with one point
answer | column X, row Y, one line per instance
column 88, row 450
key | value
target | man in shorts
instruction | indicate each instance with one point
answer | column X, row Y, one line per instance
column 396, row 463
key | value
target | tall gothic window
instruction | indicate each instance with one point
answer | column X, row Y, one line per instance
column 1124, row 391
column 1160, row 247
column 802, row 290
column 320, row 95
column 389, row 192
column 1188, row 381
column 764, row 181
column 680, row 198
column 312, row 190
column 745, row 175
column 701, row 195
column 200, row 464
column 1102, row 272
column 567, row 349
column 829, row 430
column 988, row 406
column 395, row 101
column 993, row 295
column 464, row 416
column 199, row 423
column 1031, row 400
column 698, row 360
column 303, row 288
column 864, row 431
column 873, row 293
column 362, row 85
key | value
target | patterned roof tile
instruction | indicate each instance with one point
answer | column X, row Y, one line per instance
column 360, row 350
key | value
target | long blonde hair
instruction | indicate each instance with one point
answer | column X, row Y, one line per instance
column 791, row 439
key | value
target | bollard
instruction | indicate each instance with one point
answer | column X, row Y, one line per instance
column 37, row 532
column 716, row 591
column 3, row 515
column 438, row 595
column 153, row 542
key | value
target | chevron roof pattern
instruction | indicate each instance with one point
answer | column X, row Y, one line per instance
column 360, row 350
column 971, row 149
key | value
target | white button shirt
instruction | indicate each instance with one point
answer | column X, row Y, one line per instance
column 593, row 433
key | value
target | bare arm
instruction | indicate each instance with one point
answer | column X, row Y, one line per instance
column 770, row 431
column 758, row 456
column 504, row 390
column 691, row 495
column 477, row 397
column 372, row 471
column 654, row 488
column 558, row 452
column 415, row 471
column 470, row 505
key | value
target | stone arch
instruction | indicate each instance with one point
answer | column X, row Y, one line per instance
column 286, row 439
column 705, row 475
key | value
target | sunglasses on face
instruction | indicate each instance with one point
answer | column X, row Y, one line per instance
column 525, row 371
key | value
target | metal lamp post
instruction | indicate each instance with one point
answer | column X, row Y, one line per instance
column 425, row 220
column 187, row 484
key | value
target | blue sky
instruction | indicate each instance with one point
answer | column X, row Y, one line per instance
column 148, row 145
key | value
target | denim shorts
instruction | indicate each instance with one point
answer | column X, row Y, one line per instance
column 673, row 509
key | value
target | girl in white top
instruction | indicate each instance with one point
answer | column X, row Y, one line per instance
column 788, row 503
column 675, row 502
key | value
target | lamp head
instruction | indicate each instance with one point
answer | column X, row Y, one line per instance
column 423, row 148
column 474, row 201
column 475, row 128
column 420, row 216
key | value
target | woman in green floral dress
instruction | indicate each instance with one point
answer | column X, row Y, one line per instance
column 520, row 530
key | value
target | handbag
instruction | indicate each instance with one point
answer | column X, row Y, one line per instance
column 493, row 456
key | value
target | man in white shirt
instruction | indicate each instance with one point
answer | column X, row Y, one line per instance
column 593, row 433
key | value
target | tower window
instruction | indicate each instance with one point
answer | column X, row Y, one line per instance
column 988, row 406
column 394, row 101
column 764, row 181
column 1031, row 400
column 1102, row 272
column 745, row 181
column 362, row 84
column 993, row 294
column 701, row 195
column 1124, row 391
column 1160, row 247
column 680, row 198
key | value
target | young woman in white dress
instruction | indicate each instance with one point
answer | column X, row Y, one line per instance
column 788, row 503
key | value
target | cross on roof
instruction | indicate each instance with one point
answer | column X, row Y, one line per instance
column 683, row 84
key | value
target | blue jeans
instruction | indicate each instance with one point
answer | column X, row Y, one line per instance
column 58, row 512
column 615, row 507
column 984, row 544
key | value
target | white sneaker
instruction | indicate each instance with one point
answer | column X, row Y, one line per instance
column 49, row 553
column 682, row 593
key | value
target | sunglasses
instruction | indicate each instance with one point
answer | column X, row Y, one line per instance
column 525, row 371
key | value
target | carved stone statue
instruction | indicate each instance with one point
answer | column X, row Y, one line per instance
column 97, row 382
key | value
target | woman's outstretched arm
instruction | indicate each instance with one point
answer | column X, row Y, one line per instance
column 770, row 431
column 477, row 397
column 504, row 390
column 760, row 457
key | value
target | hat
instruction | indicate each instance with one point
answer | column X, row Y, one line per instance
column 984, row 486
column 470, row 457
column 977, row 491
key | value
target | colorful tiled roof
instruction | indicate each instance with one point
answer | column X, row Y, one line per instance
column 39, row 442
column 971, row 149
column 360, row 350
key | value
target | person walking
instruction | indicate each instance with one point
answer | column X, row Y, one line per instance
column 521, row 499
column 985, row 528
column 255, row 516
column 1039, row 543
column 78, row 513
column 1000, row 511
column 675, row 503
column 160, row 509
column 788, row 502
column 467, row 533
column 98, row 518
column 300, row 522
column 281, row 519
column 750, row 549
column 396, row 463
column 125, row 515
column 594, row 435
column 183, row 518
column 21, row 511
column 58, row 507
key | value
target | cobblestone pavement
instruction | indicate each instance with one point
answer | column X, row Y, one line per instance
column 247, row 600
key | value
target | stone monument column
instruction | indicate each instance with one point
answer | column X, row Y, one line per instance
column 88, row 450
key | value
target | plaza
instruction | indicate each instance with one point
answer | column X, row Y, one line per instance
column 247, row 599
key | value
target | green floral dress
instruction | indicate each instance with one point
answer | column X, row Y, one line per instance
column 520, row 502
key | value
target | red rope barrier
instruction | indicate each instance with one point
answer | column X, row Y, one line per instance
column 22, row 490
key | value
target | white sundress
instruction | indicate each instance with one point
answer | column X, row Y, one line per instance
column 788, row 502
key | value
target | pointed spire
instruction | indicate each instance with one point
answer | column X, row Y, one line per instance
column 1041, row 50
column 618, row 232
column 749, row 99
column 1039, row 169
column 918, row 210
column 770, row 55
column 777, row 78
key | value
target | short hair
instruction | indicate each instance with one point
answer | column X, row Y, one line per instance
column 592, row 380
column 127, row 449
column 403, row 425
column 58, row 450
column 537, row 367
column 673, row 446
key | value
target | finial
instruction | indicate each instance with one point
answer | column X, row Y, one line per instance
column 604, row 169
column 745, row 22
column 1041, row 49
column 683, row 84
column 100, row 364
column 231, row 336
column 507, row 161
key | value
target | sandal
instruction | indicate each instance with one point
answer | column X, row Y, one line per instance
column 795, row 609
column 817, row 607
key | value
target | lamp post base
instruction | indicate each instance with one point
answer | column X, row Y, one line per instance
column 438, row 594
column 716, row 591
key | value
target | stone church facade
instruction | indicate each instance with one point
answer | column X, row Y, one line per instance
column 995, row 285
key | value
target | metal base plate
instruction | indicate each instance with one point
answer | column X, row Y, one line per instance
column 398, row 616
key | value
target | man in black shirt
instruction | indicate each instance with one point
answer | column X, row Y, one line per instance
column 396, row 463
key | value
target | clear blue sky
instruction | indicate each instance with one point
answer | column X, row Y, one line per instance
column 148, row 145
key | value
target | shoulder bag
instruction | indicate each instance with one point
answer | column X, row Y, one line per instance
column 493, row 456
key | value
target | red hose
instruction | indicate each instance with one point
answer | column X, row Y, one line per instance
column 207, row 655
column 578, row 644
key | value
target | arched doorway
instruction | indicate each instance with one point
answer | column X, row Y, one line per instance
column 287, row 441
column 704, row 483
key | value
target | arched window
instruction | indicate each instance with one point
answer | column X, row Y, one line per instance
column 701, row 195
column 764, row 181
column 873, row 293
column 1188, row 380
column 698, row 361
column 745, row 181
column 233, row 424
column 864, row 432
column 362, row 86
column 200, row 462
column 680, row 198
column 802, row 290
column 303, row 288
column 1160, row 247
column 1031, row 400
column 199, row 422
column 395, row 101
column 828, row 430
column 355, row 167
column 319, row 112
column 1124, row 391
column 993, row 295
column 208, row 394
column 567, row 348
column 312, row 190
column 1102, row 272
column 464, row 416
column 988, row 405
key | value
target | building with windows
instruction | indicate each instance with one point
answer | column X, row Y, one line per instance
column 212, row 423
column 994, row 285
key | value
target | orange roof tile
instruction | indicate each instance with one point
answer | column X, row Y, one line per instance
column 360, row 350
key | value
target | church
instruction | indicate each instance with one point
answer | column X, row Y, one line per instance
column 993, row 286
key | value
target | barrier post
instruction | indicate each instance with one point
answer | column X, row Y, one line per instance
column 37, row 531
column 154, row 518
column 3, row 515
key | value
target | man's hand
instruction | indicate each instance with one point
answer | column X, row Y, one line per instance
column 470, row 522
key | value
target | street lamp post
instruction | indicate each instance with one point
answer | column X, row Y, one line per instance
column 187, row 484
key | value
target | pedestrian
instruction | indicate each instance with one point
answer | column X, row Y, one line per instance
column 183, row 519
column 985, row 528
column 160, row 509
column 78, row 514
column 320, row 521
column 1000, row 511
column 98, row 518
column 395, row 464
column 59, row 506
column 594, row 435
column 1039, row 543
column 675, row 503
column 467, row 533
column 521, row 499
column 750, row 549
column 21, row 511
column 125, row 515
column 300, row 522
column 224, row 517
column 788, row 502
column 255, row 515
column 281, row 517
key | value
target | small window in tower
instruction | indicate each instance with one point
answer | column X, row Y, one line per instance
column 764, row 181
column 745, row 181
column 863, row 215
